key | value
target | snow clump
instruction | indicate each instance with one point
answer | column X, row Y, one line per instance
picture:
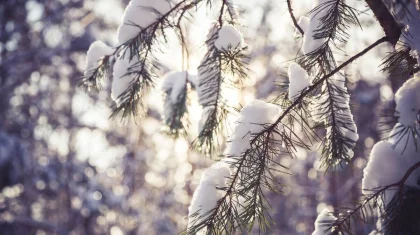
column 229, row 38
column 97, row 50
column 298, row 80
column 138, row 15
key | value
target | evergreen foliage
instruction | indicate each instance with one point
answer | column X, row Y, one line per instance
column 324, row 105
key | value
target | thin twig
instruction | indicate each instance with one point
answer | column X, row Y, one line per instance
column 289, row 4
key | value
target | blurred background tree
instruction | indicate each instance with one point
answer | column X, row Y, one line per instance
column 66, row 168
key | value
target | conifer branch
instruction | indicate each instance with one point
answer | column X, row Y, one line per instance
column 247, row 172
column 332, row 28
column 345, row 221
column 400, row 63
column 93, row 78
column 402, row 136
column 214, row 71
column 320, row 81
column 337, row 147
column 334, row 110
column 175, row 118
column 141, row 47
column 210, row 97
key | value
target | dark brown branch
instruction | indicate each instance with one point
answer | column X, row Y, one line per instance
column 221, row 14
column 289, row 5
column 386, row 20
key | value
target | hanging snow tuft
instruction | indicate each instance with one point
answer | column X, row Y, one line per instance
column 175, row 87
column 121, row 79
column 390, row 160
column 309, row 42
column 206, row 195
column 322, row 223
column 304, row 25
column 298, row 80
column 138, row 15
column 387, row 165
column 229, row 38
column 97, row 50
column 334, row 98
column 174, row 83
column 207, row 76
column 407, row 99
column 383, row 168
column 254, row 117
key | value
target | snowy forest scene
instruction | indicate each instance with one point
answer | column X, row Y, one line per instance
column 209, row 117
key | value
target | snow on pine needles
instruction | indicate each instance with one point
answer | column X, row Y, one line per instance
column 254, row 118
column 97, row 50
column 390, row 159
column 298, row 80
column 229, row 38
column 322, row 222
column 138, row 15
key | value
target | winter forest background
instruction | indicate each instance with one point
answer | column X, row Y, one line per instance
column 66, row 167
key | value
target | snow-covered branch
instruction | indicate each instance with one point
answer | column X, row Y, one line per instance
column 133, row 57
column 251, row 154
column 222, row 67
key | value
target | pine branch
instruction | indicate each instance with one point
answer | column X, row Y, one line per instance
column 94, row 78
column 229, row 9
column 140, row 47
column 333, row 27
column 175, row 118
column 388, row 120
column 332, row 109
column 400, row 63
column 345, row 222
column 214, row 72
column 335, row 23
column 402, row 136
column 300, row 115
column 210, row 96
column 135, row 44
column 247, row 177
column 255, row 171
column 401, row 215
column 132, row 43
column 133, row 97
